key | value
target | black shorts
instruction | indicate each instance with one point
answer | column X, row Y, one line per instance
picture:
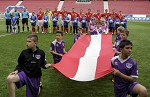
column 17, row 21
column 66, row 26
column 8, row 21
column 33, row 24
column 25, row 21
column 45, row 26
column 54, row 25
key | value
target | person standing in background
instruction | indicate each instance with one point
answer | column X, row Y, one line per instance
column 40, row 20
column 17, row 15
column 8, row 20
column 25, row 16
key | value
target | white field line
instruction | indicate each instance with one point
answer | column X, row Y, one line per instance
column 5, row 35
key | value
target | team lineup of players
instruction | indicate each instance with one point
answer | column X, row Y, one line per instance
column 61, row 20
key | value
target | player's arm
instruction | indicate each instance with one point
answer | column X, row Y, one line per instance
column 125, row 77
column 64, row 49
column 55, row 53
column 44, row 64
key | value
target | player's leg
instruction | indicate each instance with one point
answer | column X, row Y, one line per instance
column 71, row 26
column 64, row 29
column 38, row 23
column 7, row 27
column 10, row 25
column 14, row 28
column 140, row 89
column 87, row 26
column 42, row 26
column 73, row 29
column 11, row 79
column 23, row 24
column 18, row 25
column 33, row 29
column 44, row 29
column 27, row 25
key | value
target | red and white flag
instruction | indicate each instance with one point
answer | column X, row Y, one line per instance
column 88, row 59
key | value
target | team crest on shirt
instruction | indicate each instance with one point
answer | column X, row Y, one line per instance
column 37, row 56
column 128, row 65
column 57, row 45
column 116, row 63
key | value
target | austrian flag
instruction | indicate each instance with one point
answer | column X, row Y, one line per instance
column 88, row 59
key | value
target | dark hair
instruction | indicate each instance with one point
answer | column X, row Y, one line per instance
column 123, row 43
column 60, row 32
column 34, row 37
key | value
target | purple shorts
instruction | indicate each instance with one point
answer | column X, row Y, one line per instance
column 32, row 84
column 127, row 92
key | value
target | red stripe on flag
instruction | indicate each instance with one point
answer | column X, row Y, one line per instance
column 70, row 61
column 106, row 53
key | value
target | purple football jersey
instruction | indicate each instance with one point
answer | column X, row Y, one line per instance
column 57, row 47
column 117, row 41
column 127, row 67
column 97, row 31
column 76, row 37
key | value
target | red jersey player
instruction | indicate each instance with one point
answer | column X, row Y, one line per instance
column 40, row 21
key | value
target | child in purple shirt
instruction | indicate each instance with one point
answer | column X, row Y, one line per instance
column 57, row 47
column 118, row 38
column 78, row 35
column 97, row 29
column 126, row 72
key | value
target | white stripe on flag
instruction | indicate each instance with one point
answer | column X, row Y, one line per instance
column 88, row 63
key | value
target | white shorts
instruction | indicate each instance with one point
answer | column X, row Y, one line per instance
column 71, row 23
column 60, row 22
column 40, row 23
column 79, row 24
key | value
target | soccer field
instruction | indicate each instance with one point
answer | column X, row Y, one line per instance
column 54, row 83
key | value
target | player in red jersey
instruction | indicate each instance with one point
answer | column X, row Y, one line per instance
column 98, row 15
column 106, row 14
column 56, row 12
column 114, row 14
column 80, row 16
column 88, row 16
column 40, row 21
column 120, row 15
column 72, row 14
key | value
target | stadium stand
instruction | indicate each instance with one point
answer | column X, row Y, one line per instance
column 94, row 6
column 5, row 3
column 130, row 7
column 34, row 5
